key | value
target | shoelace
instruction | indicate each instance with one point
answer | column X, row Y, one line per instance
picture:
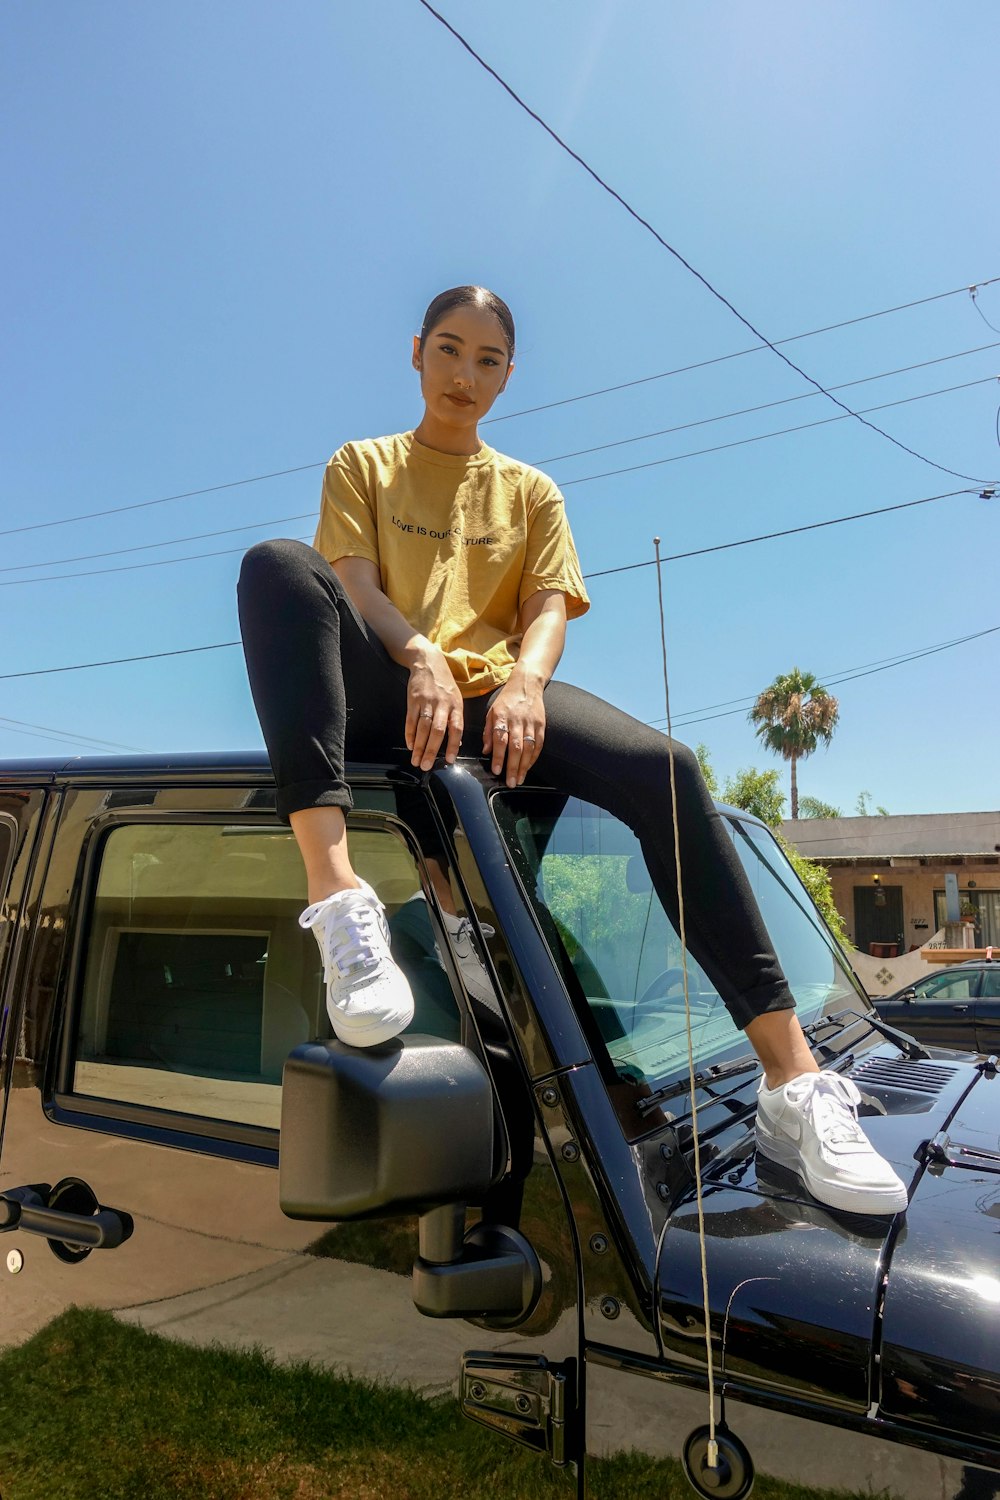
column 828, row 1102
column 352, row 938
column 464, row 933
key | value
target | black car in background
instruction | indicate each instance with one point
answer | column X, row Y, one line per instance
column 956, row 1007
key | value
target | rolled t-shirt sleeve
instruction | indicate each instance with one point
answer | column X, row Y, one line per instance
column 550, row 560
column 347, row 520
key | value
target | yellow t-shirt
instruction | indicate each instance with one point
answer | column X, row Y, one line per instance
column 460, row 544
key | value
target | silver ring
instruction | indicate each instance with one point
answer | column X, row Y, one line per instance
column 500, row 729
column 529, row 739
column 426, row 716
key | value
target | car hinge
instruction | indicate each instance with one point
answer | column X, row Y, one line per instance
column 941, row 1151
column 524, row 1397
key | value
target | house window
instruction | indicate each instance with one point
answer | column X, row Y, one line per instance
column 986, row 907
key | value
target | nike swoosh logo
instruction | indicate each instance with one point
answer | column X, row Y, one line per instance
column 792, row 1127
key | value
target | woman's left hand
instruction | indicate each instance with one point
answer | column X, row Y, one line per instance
column 515, row 727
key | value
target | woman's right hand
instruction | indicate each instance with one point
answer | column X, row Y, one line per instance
column 434, row 709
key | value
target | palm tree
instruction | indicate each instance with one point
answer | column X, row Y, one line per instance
column 792, row 716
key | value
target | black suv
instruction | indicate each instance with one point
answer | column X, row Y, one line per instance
column 186, row 1148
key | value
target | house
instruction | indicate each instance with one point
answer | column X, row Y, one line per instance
column 888, row 879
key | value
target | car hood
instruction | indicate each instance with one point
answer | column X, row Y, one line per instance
column 810, row 1304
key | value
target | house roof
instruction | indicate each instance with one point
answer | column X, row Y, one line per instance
column 955, row 835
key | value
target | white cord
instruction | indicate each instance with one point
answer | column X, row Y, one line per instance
column 712, row 1455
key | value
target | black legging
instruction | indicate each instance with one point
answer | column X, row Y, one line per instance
column 326, row 690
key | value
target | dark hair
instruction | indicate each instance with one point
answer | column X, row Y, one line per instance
column 463, row 296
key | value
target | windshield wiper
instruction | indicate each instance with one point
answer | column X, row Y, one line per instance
column 906, row 1043
column 714, row 1074
column 718, row 1071
column 903, row 1041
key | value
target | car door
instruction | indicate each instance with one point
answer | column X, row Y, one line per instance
column 167, row 980
column 988, row 1011
column 944, row 1011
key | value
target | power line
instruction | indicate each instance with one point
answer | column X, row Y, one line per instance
column 212, row 489
column 747, row 411
column 680, row 258
column 43, row 732
column 848, row 674
column 720, row 359
column 161, row 562
column 8, row 583
column 117, row 661
column 975, row 302
column 826, row 676
column 770, row 536
column 177, row 541
column 851, row 674
column 601, row 573
column 208, row 489
column 657, row 463
column 601, row 447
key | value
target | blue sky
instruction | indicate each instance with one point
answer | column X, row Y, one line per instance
column 223, row 225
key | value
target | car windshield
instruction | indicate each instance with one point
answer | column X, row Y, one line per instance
column 620, row 954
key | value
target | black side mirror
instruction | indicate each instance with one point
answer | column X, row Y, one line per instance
column 394, row 1129
column 408, row 1127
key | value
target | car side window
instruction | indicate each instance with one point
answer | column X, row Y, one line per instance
column 948, row 987
column 197, row 978
column 991, row 984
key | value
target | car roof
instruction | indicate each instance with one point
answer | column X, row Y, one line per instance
column 966, row 963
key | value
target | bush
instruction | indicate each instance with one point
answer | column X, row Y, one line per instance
column 816, row 879
column 758, row 792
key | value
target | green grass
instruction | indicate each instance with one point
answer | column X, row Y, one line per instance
column 92, row 1409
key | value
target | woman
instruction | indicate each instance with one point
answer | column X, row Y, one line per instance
column 435, row 601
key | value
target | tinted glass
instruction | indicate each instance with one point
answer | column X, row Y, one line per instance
column 198, row 979
column 991, row 984
column 621, row 953
column 949, row 986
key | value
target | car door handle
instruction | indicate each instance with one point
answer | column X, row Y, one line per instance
column 25, row 1209
column 959, row 1010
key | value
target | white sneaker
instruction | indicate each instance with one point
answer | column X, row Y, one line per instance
column 368, row 998
column 462, row 941
column 811, row 1126
column 474, row 973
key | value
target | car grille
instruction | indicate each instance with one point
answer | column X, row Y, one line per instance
column 898, row 1073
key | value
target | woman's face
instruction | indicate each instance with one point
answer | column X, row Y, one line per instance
column 464, row 365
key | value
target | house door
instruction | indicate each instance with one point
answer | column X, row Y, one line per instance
column 878, row 915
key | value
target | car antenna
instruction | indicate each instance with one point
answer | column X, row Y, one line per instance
column 712, row 1449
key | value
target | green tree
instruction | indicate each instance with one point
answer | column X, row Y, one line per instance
column 792, row 716
column 756, row 792
column 701, row 752
column 865, row 809
column 816, row 879
column 814, row 807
